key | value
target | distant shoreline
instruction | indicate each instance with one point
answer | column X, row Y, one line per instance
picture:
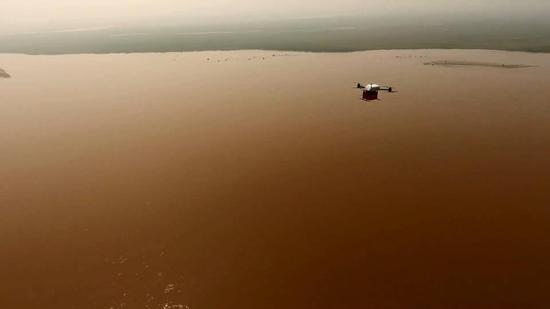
column 454, row 63
column 442, row 62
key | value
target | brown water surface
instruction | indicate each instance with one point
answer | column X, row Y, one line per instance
column 192, row 181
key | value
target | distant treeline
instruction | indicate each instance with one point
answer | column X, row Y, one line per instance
column 342, row 34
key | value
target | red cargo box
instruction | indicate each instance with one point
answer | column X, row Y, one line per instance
column 370, row 95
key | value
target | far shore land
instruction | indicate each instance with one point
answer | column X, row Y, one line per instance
column 328, row 34
column 260, row 179
column 478, row 64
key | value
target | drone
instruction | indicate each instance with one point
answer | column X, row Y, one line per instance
column 370, row 91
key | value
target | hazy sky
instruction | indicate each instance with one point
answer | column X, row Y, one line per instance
column 19, row 15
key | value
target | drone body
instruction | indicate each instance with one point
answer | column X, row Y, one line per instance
column 370, row 91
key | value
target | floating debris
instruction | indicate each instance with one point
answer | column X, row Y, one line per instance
column 169, row 288
column 174, row 306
